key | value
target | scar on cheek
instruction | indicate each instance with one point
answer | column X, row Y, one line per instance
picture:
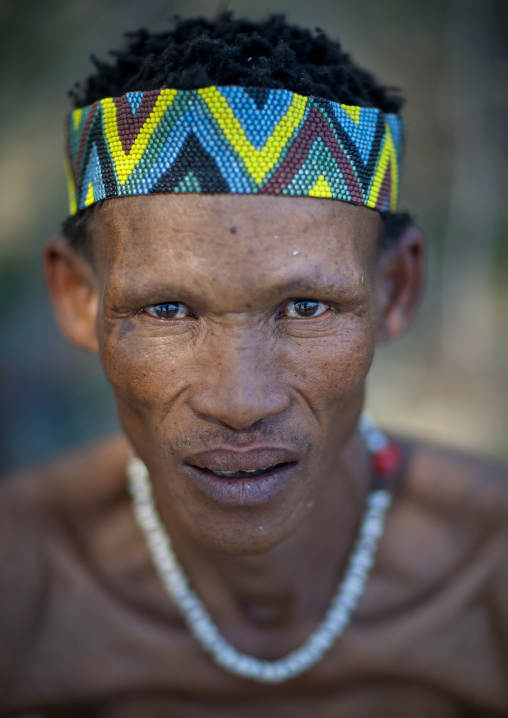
column 126, row 326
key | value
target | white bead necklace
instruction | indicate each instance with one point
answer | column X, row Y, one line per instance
column 197, row 617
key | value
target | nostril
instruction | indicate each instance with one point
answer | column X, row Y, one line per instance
column 238, row 406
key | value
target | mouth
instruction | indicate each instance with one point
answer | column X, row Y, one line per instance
column 242, row 479
column 245, row 474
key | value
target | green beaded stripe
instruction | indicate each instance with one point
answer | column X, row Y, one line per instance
column 233, row 140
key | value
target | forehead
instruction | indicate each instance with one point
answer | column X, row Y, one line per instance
column 231, row 234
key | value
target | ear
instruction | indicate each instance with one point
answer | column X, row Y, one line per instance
column 73, row 290
column 400, row 276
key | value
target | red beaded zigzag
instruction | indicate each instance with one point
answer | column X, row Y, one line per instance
column 233, row 140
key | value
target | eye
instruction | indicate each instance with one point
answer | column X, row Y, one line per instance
column 168, row 310
column 305, row 308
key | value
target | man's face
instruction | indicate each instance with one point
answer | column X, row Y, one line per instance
column 236, row 332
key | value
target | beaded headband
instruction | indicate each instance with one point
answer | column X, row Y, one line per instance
column 233, row 140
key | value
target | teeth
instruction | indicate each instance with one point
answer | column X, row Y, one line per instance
column 240, row 474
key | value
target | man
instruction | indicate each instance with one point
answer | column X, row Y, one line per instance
column 234, row 254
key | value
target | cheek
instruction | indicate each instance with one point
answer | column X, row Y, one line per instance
column 329, row 369
column 148, row 373
column 143, row 373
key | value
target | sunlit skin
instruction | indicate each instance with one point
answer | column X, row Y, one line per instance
column 231, row 365
column 234, row 366
column 237, row 334
column 239, row 369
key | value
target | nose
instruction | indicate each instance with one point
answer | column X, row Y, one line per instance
column 241, row 382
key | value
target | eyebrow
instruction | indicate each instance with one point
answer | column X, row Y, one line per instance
column 317, row 285
column 291, row 285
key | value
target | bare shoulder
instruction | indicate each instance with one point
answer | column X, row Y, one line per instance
column 462, row 488
column 452, row 511
column 76, row 482
column 36, row 507
column 443, row 571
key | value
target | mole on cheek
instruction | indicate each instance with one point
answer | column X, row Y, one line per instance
column 233, row 230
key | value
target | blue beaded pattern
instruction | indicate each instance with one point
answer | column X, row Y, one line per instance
column 233, row 140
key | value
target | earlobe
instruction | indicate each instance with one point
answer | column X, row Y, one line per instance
column 400, row 276
column 73, row 291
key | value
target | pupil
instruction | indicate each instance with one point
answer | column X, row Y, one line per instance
column 167, row 310
column 305, row 308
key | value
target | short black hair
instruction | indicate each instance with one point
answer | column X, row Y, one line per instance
column 197, row 52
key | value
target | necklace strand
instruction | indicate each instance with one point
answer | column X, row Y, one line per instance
column 198, row 619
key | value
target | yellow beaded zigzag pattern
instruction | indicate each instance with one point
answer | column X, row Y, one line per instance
column 233, row 140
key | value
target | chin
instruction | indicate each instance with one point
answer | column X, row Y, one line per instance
column 251, row 540
column 233, row 520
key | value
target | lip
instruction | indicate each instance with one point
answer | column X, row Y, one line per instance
column 246, row 491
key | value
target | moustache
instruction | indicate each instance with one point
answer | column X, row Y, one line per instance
column 265, row 435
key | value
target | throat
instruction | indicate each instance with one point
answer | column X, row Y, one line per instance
column 265, row 613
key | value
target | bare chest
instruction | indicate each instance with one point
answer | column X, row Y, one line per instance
column 107, row 648
column 100, row 658
column 370, row 698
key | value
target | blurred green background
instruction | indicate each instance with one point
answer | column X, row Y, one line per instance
column 447, row 380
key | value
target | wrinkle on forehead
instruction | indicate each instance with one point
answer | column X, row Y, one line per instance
column 284, row 238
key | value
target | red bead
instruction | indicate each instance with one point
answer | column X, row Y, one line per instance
column 388, row 460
